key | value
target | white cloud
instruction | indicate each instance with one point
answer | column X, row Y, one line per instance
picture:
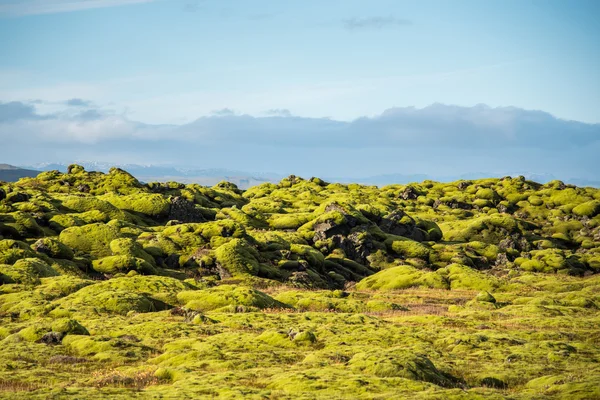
column 31, row 7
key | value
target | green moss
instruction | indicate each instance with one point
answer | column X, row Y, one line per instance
column 485, row 297
column 110, row 301
column 227, row 295
column 24, row 225
column 237, row 257
column 69, row 327
column 63, row 221
column 408, row 248
column 129, row 247
column 588, row 209
column 27, row 271
column 463, row 277
column 33, row 333
column 53, row 248
column 152, row 205
column 115, row 264
column 548, row 260
column 488, row 229
column 398, row 362
column 83, row 204
column 389, row 330
column 289, row 221
column 93, row 239
column 487, row 194
column 402, row 277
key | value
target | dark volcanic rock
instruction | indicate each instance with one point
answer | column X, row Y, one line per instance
column 454, row 204
column 400, row 224
column 184, row 211
column 17, row 197
column 331, row 228
column 357, row 246
column 410, row 193
column 52, row 338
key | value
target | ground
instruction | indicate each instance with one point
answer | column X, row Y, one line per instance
column 299, row 290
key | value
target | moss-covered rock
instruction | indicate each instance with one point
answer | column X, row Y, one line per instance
column 588, row 209
column 92, row 239
column 401, row 363
column 27, row 271
column 115, row 264
column 68, row 326
column 53, row 248
column 227, row 295
column 237, row 258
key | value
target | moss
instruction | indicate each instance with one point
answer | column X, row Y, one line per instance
column 24, row 224
column 361, row 342
column 305, row 337
column 485, row 297
column 398, row 362
column 487, row 194
column 152, row 205
column 408, row 248
column 314, row 257
column 237, row 257
column 434, row 233
column 488, row 229
column 110, row 301
column 129, row 247
column 383, row 306
column 93, row 239
column 83, row 204
column 289, row 221
column 33, row 333
column 227, row 295
column 224, row 228
column 402, row 277
column 27, row 271
column 63, row 221
column 535, row 201
column 463, row 277
column 69, row 327
column 588, row 209
column 115, row 264
column 53, row 248
column 547, row 260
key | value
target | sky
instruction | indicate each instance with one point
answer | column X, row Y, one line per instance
column 81, row 75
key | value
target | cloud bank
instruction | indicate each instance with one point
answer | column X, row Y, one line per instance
column 408, row 140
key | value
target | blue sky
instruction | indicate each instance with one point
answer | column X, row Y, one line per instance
column 173, row 61
column 99, row 70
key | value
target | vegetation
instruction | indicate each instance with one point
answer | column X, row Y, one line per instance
column 298, row 290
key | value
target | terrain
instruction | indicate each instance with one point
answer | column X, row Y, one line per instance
column 300, row 289
column 11, row 173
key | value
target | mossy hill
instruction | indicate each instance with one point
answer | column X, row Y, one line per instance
column 110, row 288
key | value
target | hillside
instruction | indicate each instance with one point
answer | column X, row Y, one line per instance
column 10, row 173
column 298, row 290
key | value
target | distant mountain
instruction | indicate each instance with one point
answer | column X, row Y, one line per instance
column 10, row 173
column 246, row 179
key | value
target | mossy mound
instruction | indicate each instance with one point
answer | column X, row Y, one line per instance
column 402, row 277
column 115, row 264
column 227, row 295
column 53, row 248
column 26, row 271
column 400, row 363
